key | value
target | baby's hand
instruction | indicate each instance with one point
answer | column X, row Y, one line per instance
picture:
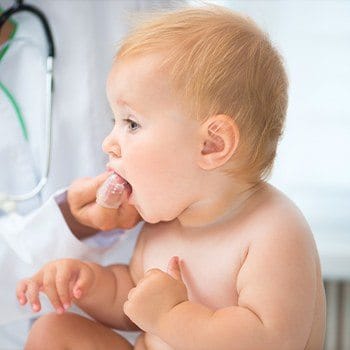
column 155, row 295
column 61, row 280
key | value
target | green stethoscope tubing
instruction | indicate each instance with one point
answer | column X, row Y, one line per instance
column 6, row 91
column 16, row 109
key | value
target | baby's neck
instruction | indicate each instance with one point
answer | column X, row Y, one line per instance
column 226, row 198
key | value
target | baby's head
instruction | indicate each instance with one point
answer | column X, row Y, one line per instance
column 212, row 71
column 221, row 63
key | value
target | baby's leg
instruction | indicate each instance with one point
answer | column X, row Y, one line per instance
column 71, row 331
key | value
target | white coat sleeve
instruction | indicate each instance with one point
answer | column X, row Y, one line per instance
column 28, row 242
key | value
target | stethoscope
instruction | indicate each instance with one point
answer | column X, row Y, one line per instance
column 8, row 201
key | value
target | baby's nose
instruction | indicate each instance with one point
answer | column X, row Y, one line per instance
column 111, row 147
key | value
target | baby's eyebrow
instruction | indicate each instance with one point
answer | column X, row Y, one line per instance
column 121, row 106
column 121, row 112
column 124, row 106
column 121, row 102
column 129, row 110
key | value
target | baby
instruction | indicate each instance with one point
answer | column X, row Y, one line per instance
column 224, row 260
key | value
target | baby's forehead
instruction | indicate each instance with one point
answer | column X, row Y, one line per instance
column 142, row 72
column 141, row 79
column 149, row 65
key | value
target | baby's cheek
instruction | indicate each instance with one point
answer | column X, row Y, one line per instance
column 155, row 176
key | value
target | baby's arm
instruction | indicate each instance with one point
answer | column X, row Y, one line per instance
column 104, row 301
column 276, row 286
column 105, row 304
column 99, row 291
column 95, row 289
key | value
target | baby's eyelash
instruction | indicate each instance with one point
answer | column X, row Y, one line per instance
column 133, row 126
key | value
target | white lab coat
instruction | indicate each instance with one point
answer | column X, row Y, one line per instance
column 85, row 35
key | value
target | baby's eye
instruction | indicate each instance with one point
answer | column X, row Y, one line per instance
column 132, row 125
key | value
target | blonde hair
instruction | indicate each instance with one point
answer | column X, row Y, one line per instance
column 221, row 63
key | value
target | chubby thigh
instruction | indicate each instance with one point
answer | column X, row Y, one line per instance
column 73, row 331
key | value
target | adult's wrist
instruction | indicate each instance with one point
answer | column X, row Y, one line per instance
column 79, row 230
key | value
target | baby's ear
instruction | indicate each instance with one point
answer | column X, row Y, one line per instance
column 219, row 140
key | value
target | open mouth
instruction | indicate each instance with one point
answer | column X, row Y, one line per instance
column 120, row 181
column 114, row 191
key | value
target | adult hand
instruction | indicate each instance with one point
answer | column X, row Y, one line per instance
column 81, row 199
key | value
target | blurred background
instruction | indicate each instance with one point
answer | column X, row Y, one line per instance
column 312, row 165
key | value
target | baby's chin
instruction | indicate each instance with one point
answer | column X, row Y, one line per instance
column 158, row 210
column 155, row 216
column 154, row 219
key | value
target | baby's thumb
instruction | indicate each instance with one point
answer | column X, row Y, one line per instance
column 174, row 268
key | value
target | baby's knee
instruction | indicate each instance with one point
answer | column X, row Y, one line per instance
column 48, row 332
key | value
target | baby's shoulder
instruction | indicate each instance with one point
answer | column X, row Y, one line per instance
column 276, row 217
column 278, row 209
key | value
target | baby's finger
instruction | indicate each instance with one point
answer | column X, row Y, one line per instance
column 51, row 292
column 82, row 284
column 33, row 295
column 21, row 290
column 62, row 284
column 174, row 268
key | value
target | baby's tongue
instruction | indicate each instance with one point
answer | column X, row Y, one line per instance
column 113, row 192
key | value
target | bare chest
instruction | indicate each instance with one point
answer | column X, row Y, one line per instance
column 210, row 264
